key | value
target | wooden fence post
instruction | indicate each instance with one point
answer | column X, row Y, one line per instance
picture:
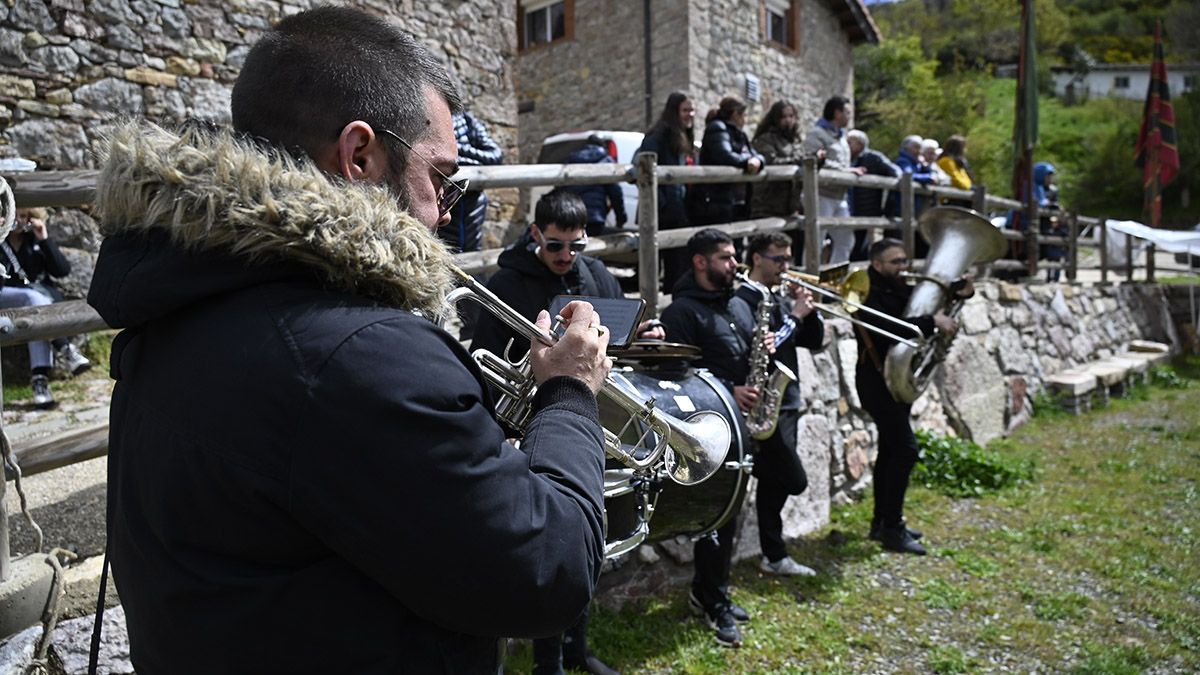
column 814, row 242
column 1150, row 263
column 5, row 566
column 1072, row 246
column 647, row 185
column 979, row 199
column 1104, row 250
column 1129, row 257
column 1033, row 223
column 908, row 210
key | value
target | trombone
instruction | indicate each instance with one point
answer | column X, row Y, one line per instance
column 847, row 294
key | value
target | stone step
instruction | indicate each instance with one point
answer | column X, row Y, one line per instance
column 1149, row 346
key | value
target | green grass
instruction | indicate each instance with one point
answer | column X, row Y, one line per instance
column 1092, row 567
column 98, row 348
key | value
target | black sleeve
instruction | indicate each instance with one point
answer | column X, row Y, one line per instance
column 55, row 263
column 810, row 332
column 680, row 324
column 718, row 148
column 491, row 333
column 416, row 487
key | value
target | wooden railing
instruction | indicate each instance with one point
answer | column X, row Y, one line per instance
column 76, row 188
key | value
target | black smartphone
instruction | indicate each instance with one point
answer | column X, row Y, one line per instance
column 620, row 315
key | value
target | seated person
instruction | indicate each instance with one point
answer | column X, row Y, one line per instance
column 28, row 253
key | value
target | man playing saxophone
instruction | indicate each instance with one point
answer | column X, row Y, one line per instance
column 897, row 444
column 794, row 323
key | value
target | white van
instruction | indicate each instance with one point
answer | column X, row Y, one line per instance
column 621, row 147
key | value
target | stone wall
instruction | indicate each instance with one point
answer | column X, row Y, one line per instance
column 68, row 67
column 1011, row 338
column 596, row 79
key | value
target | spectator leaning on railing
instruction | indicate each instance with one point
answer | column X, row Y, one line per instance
column 865, row 201
column 827, row 142
column 777, row 139
column 29, row 255
column 672, row 138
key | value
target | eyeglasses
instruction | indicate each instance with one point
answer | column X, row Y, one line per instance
column 576, row 246
column 452, row 190
column 897, row 261
column 778, row 259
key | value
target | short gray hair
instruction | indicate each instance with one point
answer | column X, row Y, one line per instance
column 860, row 136
column 910, row 141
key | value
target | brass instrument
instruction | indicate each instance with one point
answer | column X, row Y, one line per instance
column 771, row 382
column 848, row 295
column 958, row 238
column 689, row 450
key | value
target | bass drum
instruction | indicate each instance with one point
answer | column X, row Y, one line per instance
column 673, row 509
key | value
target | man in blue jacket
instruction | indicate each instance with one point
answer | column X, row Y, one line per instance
column 305, row 475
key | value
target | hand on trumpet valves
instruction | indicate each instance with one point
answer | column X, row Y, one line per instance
column 803, row 298
column 746, row 397
column 579, row 353
column 945, row 324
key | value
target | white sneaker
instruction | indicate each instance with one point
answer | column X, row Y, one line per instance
column 786, row 567
column 70, row 359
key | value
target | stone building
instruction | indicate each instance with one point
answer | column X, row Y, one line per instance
column 69, row 67
column 596, row 64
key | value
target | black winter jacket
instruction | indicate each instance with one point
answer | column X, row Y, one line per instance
column 528, row 286
column 35, row 259
column 304, row 473
column 672, row 211
column 889, row 296
column 598, row 198
column 866, row 201
column 714, row 322
column 724, row 145
column 789, row 335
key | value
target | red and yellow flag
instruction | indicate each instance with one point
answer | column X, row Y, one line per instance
column 1157, row 154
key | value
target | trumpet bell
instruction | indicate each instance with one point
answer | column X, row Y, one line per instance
column 855, row 290
column 697, row 447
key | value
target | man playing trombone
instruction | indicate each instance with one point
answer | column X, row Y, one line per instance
column 305, row 474
column 898, row 450
column 795, row 323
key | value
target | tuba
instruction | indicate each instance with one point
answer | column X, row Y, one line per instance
column 771, row 382
column 690, row 451
column 958, row 238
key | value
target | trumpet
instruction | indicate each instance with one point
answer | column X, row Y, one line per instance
column 690, row 450
column 847, row 294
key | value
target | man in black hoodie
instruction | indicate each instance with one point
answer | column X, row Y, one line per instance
column 898, row 448
column 547, row 261
column 703, row 313
column 304, row 472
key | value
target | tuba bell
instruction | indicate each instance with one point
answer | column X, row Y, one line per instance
column 958, row 238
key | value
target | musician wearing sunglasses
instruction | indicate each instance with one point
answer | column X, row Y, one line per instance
column 898, row 448
column 795, row 323
column 546, row 262
column 305, row 472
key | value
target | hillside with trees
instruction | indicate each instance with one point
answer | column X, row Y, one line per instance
column 934, row 75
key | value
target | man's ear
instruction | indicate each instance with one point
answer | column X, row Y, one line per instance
column 535, row 231
column 699, row 262
column 361, row 155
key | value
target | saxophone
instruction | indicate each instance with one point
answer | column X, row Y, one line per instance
column 762, row 419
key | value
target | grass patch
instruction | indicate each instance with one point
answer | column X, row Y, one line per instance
column 961, row 468
column 1089, row 569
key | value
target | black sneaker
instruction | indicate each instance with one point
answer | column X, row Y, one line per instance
column 899, row 540
column 740, row 614
column 42, row 397
column 590, row 663
column 720, row 619
column 877, row 525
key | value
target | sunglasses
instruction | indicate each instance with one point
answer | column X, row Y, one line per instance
column 897, row 261
column 576, row 246
column 452, row 190
column 778, row 259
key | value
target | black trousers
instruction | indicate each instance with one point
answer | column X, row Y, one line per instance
column 898, row 449
column 548, row 653
column 714, row 559
column 780, row 474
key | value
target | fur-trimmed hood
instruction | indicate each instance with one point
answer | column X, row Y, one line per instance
column 212, row 193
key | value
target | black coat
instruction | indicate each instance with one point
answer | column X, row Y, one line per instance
column 35, row 259
column 789, row 335
column 304, row 473
column 870, row 201
column 724, row 145
column 714, row 322
column 528, row 286
column 672, row 212
column 889, row 296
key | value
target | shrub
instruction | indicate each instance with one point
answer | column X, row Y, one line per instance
column 961, row 468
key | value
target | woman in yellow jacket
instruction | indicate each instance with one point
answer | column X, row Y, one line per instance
column 954, row 162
